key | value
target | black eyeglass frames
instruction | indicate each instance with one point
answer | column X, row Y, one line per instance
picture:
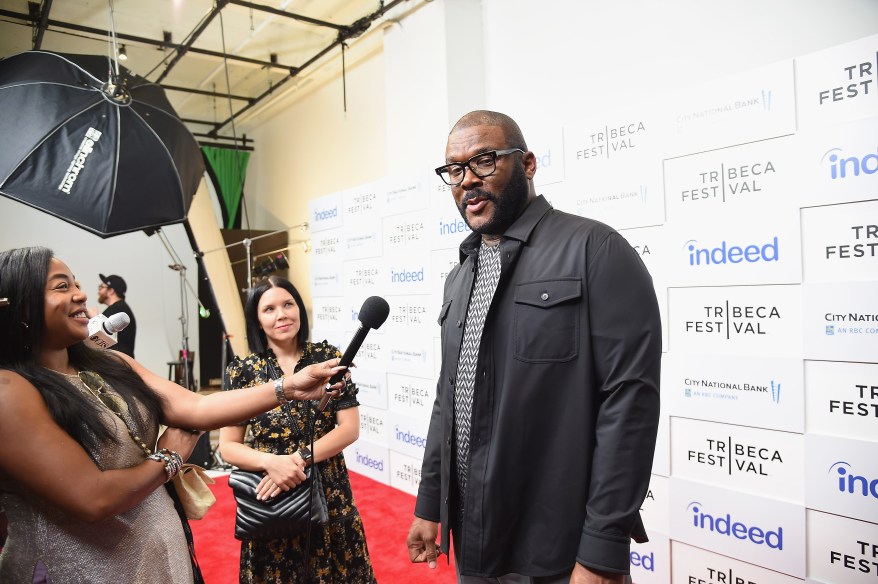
column 482, row 165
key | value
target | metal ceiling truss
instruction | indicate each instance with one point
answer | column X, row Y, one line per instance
column 38, row 18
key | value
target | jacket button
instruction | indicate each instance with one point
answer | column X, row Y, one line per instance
column 458, row 324
column 451, row 380
column 544, row 296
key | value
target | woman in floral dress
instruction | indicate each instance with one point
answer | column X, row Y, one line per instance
column 277, row 333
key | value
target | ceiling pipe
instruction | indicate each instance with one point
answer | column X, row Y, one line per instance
column 347, row 32
column 143, row 40
column 41, row 27
column 193, row 36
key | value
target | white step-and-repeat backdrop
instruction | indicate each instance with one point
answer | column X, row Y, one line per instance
column 753, row 200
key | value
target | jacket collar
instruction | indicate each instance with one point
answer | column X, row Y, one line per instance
column 521, row 230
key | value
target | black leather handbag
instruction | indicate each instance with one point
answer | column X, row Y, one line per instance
column 290, row 513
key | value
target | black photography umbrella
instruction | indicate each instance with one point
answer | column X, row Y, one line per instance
column 104, row 152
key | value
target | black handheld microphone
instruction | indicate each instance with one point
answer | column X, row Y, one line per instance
column 372, row 315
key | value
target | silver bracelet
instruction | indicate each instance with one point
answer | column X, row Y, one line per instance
column 279, row 391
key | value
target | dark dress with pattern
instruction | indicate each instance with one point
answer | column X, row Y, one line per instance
column 338, row 549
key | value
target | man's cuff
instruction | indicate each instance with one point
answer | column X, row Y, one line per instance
column 426, row 509
column 604, row 552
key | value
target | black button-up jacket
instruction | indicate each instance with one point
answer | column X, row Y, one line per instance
column 566, row 403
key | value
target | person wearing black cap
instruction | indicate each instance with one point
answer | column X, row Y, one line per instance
column 111, row 292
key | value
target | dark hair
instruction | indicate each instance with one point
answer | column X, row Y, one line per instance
column 23, row 278
column 256, row 338
column 511, row 130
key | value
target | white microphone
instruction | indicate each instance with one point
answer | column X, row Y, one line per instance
column 102, row 330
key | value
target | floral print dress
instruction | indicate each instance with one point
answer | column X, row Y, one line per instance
column 338, row 549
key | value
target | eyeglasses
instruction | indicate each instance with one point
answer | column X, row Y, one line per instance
column 482, row 165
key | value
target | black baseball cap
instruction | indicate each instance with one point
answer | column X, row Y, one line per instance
column 116, row 283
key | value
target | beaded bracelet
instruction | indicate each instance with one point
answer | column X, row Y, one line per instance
column 279, row 391
column 171, row 459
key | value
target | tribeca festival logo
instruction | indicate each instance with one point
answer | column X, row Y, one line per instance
column 730, row 457
column 860, row 247
column 409, row 473
column 858, row 80
column 78, row 162
column 725, row 253
column 858, row 408
column 610, row 141
column 726, row 526
column 728, row 320
column 370, row 423
column 730, row 390
column 726, row 182
column 842, row 166
column 851, row 483
column 853, row 323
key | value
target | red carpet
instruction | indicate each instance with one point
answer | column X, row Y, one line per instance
column 386, row 512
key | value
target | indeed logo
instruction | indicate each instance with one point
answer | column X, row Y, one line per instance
column 367, row 460
column 409, row 438
column 453, row 227
column 735, row 254
column 840, row 167
column 854, row 484
column 324, row 214
column 406, row 276
column 645, row 561
column 724, row 525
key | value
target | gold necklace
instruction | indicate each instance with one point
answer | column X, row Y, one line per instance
column 96, row 386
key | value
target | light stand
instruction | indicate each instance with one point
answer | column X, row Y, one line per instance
column 177, row 266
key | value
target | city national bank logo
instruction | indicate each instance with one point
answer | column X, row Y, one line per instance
column 730, row 320
column 612, row 199
column 725, row 253
column 611, row 141
column 855, row 323
column 842, row 167
column 368, row 461
column 325, row 214
column 730, row 390
column 86, row 147
column 725, row 525
column 760, row 101
column 851, row 483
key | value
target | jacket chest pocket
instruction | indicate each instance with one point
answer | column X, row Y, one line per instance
column 546, row 321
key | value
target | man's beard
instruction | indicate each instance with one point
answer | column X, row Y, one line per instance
column 507, row 207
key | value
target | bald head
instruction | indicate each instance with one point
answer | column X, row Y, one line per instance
column 511, row 131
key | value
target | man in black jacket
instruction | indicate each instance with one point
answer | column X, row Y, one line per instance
column 541, row 440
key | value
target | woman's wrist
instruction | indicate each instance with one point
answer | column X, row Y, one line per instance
column 279, row 391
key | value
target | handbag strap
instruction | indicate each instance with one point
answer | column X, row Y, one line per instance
column 197, row 577
column 309, row 436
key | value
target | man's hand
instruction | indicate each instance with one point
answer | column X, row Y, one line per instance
column 583, row 575
column 422, row 541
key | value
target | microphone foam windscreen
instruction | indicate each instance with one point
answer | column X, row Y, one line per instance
column 374, row 312
column 117, row 322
